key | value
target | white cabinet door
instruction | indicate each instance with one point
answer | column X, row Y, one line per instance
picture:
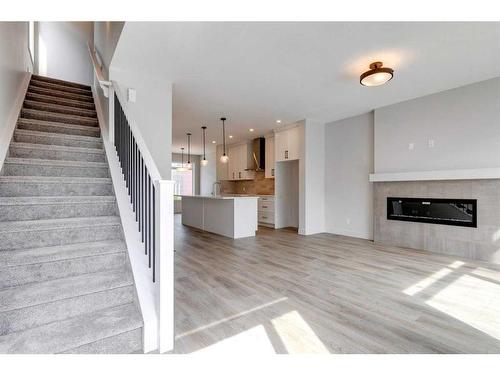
column 232, row 163
column 280, row 145
column 294, row 140
column 269, row 172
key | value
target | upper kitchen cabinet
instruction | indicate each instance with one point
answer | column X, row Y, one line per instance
column 241, row 164
column 269, row 172
column 287, row 143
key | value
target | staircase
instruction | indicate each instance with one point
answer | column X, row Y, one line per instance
column 65, row 280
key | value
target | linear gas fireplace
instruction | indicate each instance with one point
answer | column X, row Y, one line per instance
column 461, row 212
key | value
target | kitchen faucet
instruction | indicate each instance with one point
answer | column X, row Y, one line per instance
column 216, row 191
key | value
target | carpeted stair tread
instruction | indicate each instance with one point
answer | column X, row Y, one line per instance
column 57, row 108
column 60, row 94
column 73, row 332
column 58, row 117
column 36, row 77
column 43, row 225
column 57, row 253
column 58, row 289
column 74, row 103
column 57, row 127
column 56, row 139
column 59, row 87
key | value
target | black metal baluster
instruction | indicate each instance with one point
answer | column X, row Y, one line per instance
column 149, row 219
column 146, row 210
column 154, row 235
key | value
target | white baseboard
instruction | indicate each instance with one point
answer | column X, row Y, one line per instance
column 146, row 290
column 8, row 131
column 351, row 233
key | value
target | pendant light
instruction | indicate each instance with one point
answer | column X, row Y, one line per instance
column 377, row 75
column 204, row 161
column 182, row 168
column 189, row 151
column 224, row 158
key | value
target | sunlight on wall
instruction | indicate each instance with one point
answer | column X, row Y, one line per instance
column 473, row 301
column 42, row 57
column 296, row 335
column 428, row 281
column 253, row 341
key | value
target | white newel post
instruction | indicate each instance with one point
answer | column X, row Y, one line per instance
column 111, row 114
column 165, row 263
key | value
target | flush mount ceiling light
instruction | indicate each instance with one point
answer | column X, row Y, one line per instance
column 204, row 161
column 251, row 130
column 278, row 121
column 377, row 75
column 224, row 158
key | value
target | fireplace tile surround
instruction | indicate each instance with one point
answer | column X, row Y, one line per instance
column 481, row 243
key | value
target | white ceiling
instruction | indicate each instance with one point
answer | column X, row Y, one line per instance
column 256, row 73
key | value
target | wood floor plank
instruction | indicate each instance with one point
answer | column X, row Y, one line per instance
column 328, row 293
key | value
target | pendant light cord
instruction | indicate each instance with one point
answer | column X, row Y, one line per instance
column 224, row 134
column 189, row 148
column 204, row 156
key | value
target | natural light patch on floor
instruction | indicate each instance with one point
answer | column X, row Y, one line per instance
column 296, row 335
column 428, row 281
column 253, row 340
column 473, row 301
column 231, row 317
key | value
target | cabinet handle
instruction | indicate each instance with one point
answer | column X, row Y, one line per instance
column 272, row 172
column 239, row 174
column 264, row 206
column 233, row 175
column 286, row 154
column 264, row 217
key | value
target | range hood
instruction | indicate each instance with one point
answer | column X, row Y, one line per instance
column 258, row 154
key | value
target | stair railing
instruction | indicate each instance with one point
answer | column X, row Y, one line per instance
column 151, row 200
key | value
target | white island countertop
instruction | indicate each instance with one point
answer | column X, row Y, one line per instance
column 229, row 196
column 231, row 215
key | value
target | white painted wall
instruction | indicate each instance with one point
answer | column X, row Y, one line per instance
column 62, row 51
column 106, row 36
column 152, row 112
column 208, row 173
column 349, row 160
column 464, row 124
column 312, row 176
column 13, row 76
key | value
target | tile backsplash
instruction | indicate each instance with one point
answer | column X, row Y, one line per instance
column 260, row 186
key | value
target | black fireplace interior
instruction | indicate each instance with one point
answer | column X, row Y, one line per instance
column 461, row 212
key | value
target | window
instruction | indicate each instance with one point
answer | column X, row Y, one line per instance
column 184, row 181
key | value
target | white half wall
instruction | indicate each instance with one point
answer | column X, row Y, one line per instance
column 13, row 76
column 312, row 178
column 454, row 129
column 349, row 161
column 62, row 51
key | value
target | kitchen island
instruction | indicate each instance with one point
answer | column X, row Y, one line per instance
column 230, row 216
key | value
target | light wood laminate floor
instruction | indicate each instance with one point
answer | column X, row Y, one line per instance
column 280, row 292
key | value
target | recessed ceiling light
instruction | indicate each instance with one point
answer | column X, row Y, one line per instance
column 278, row 121
column 377, row 75
column 214, row 142
column 230, row 136
column 250, row 130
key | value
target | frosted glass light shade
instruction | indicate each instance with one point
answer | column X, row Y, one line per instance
column 377, row 75
column 204, row 162
column 224, row 159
